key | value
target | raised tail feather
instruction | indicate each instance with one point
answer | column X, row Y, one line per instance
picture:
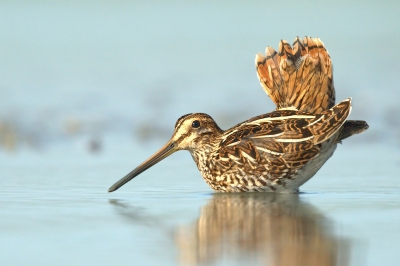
column 298, row 77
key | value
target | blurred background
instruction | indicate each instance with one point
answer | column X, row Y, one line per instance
column 89, row 89
column 94, row 74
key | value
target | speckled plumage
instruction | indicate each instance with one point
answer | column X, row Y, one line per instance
column 277, row 151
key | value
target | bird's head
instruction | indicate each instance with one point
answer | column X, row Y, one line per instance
column 192, row 132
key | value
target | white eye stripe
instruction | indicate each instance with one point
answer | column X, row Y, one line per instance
column 205, row 130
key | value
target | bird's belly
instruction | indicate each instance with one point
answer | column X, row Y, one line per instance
column 238, row 180
column 312, row 167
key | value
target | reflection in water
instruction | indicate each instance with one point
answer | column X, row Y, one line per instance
column 262, row 228
column 136, row 215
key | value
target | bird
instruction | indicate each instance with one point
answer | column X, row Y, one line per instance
column 277, row 151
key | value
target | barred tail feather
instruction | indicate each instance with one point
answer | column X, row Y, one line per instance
column 298, row 77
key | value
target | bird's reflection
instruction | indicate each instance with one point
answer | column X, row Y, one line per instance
column 265, row 228
column 261, row 228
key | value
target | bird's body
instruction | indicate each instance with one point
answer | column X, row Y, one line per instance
column 278, row 151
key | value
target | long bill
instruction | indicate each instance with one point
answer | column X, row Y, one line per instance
column 164, row 152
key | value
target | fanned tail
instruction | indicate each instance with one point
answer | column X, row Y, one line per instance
column 298, row 77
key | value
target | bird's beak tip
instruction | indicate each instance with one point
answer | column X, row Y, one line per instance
column 164, row 152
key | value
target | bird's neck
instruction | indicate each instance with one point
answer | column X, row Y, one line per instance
column 204, row 152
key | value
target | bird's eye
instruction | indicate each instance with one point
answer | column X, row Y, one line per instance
column 196, row 124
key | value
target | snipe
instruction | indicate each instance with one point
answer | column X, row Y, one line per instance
column 277, row 151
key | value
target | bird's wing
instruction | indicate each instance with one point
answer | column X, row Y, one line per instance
column 283, row 139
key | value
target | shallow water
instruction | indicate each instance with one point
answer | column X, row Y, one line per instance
column 90, row 89
column 58, row 211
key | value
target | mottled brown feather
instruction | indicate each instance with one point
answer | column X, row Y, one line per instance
column 281, row 146
column 299, row 77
